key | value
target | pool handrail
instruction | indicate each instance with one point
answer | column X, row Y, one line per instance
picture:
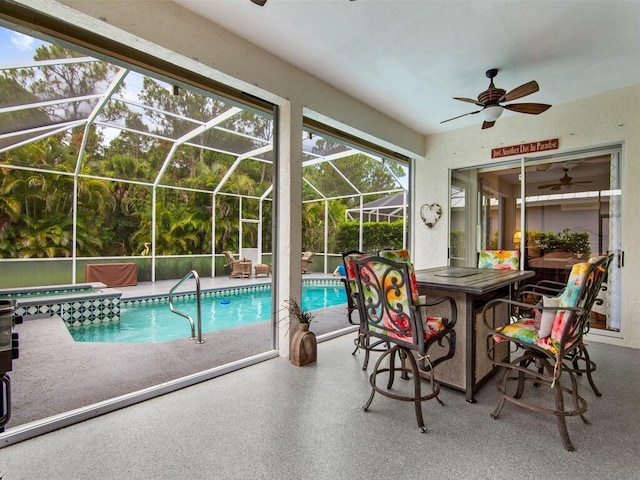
column 189, row 275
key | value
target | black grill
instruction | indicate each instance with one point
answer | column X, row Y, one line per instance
column 9, row 351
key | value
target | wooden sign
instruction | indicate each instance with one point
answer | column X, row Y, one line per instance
column 524, row 148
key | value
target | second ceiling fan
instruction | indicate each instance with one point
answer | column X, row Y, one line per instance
column 563, row 182
column 492, row 98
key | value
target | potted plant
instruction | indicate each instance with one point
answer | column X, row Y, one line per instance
column 304, row 346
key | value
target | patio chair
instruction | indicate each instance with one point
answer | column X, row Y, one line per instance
column 389, row 311
column 349, row 281
column 545, row 358
column 499, row 259
column 239, row 268
column 306, row 260
column 535, row 293
column 361, row 341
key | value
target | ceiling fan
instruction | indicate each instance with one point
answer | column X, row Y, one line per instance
column 564, row 181
column 491, row 99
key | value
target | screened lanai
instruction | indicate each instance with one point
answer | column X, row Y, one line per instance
column 102, row 160
column 105, row 162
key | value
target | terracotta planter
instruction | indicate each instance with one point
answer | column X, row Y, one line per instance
column 304, row 347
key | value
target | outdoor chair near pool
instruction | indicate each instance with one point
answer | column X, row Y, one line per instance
column 536, row 292
column 362, row 341
column 390, row 311
column 547, row 340
column 499, row 259
column 349, row 281
column 239, row 268
column 306, row 260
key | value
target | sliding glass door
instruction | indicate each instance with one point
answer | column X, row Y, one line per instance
column 557, row 211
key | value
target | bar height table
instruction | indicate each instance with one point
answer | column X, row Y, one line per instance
column 471, row 288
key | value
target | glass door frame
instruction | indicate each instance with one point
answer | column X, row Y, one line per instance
column 469, row 200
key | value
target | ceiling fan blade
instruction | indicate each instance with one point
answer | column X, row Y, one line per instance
column 259, row 2
column 469, row 100
column 521, row 91
column 530, row 108
column 459, row 116
column 487, row 124
column 550, row 185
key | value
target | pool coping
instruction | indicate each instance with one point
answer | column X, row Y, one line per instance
column 219, row 291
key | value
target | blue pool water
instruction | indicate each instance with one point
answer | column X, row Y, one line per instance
column 156, row 323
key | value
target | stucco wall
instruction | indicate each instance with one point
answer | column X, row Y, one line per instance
column 607, row 119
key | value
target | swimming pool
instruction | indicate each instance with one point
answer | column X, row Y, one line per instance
column 154, row 322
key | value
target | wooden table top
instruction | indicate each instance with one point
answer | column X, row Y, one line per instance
column 469, row 280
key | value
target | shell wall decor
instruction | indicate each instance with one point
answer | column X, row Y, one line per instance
column 430, row 213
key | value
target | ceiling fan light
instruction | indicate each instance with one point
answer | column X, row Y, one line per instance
column 491, row 113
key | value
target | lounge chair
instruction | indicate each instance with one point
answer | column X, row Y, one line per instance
column 306, row 260
column 239, row 268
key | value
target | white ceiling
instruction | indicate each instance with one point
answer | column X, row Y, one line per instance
column 408, row 59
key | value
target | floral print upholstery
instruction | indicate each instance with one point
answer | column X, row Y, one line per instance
column 392, row 315
column 349, row 266
column 524, row 329
column 350, row 270
column 499, row 259
column 402, row 256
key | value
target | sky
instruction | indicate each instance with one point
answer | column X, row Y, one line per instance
column 16, row 47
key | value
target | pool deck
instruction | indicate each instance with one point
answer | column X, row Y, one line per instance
column 54, row 374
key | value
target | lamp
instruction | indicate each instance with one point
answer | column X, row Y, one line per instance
column 491, row 113
column 517, row 238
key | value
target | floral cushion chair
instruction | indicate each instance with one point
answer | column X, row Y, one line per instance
column 499, row 259
column 350, row 280
column 389, row 311
column 362, row 341
column 547, row 340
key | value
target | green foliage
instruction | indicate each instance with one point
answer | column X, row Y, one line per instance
column 376, row 235
column 297, row 313
column 313, row 223
column 565, row 241
column 114, row 214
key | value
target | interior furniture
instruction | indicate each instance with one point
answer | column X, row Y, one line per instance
column 554, row 266
column 306, row 260
column 239, row 268
column 471, row 288
column 544, row 343
column 390, row 311
column 262, row 269
column 112, row 274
